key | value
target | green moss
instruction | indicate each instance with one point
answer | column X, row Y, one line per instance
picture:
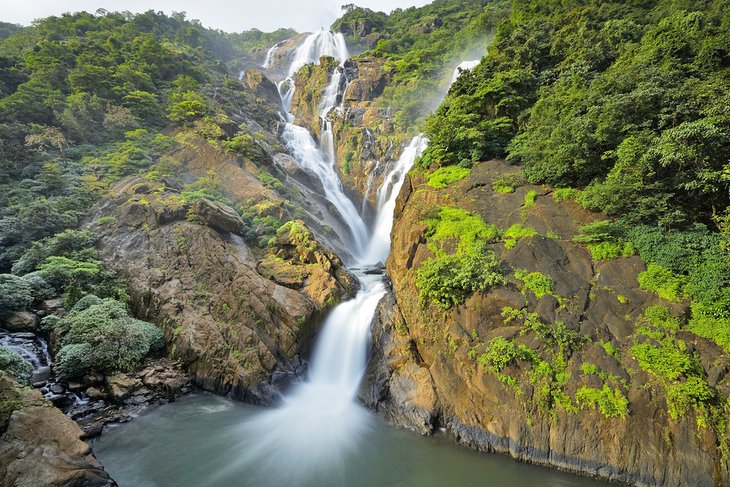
column 454, row 224
column 659, row 352
column 538, row 283
column 663, row 282
column 444, row 176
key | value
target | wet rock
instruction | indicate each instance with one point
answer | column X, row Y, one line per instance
column 21, row 321
column 94, row 394
column 262, row 86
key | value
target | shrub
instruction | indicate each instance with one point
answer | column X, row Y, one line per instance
column 15, row 294
column 661, row 281
column 448, row 280
column 444, row 176
column 16, row 365
column 563, row 194
column 658, row 351
column 611, row 250
column 610, row 402
column 500, row 352
column 456, row 224
column 99, row 335
column 538, row 283
column 530, row 198
column 514, row 233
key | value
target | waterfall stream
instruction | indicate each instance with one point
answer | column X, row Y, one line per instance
column 320, row 435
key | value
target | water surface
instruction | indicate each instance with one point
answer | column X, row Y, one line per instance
column 206, row 440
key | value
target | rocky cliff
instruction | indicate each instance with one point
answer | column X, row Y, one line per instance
column 544, row 366
column 227, row 308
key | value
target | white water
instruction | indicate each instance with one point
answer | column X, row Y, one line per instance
column 464, row 66
column 379, row 245
column 320, row 422
column 322, row 43
column 269, row 54
column 320, row 158
column 309, row 155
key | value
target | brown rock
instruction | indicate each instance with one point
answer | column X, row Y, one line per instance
column 21, row 321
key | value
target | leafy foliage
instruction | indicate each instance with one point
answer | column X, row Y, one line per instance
column 99, row 335
column 627, row 101
column 462, row 264
column 16, row 365
column 444, row 176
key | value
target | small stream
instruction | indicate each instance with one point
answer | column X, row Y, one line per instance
column 206, row 440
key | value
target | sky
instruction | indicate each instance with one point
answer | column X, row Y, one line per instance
column 230, row 16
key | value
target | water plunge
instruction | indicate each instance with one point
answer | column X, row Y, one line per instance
column 320, row 435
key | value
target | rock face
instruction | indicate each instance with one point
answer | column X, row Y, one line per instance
column 39, row 445
column 365, row 140
column 425, row 370
column 191, row 272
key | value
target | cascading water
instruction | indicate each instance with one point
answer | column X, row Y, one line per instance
column 464, row 66
column 320, row 159
column 319, row 423
column 379, row 245
column 269, row 56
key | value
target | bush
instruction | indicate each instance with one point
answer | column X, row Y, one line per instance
column 444, row 176
column 16, row 294
column 530, row 198
column 99, row 335
column 447, row 280
column 516, row 232
column 16, row 365
column 661, row 281
column 456, row 224
column 538, row 283
column 500, row 352
column 611, row 402
column 611, row 250
column 564, row 194
column 665, row 357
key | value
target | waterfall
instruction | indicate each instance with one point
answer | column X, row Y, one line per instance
column 320, row 422
column 320, row 159
column 464, row 66
column 379, row 245
column 309, row 155
column 322, row 43
column 269, row 54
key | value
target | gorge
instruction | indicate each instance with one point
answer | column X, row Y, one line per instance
column 408, row 250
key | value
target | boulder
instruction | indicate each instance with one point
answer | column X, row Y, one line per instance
column 21, row 321
column 218, row 216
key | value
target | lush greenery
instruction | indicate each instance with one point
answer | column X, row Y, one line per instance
column 100, row 335
column 421, row 46
column 628, row 101
column 461, row 264
column 16, row 365
column 444, row 176
column 671, row 362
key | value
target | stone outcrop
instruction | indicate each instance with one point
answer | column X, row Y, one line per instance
column 425, row 371
column 191, row 272
column 39, row 445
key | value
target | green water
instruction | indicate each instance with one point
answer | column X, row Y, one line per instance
column 205, row 440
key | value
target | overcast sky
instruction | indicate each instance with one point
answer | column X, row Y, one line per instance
column 230, row 16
